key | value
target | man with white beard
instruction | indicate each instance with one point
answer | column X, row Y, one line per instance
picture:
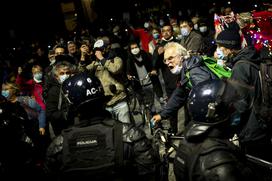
column 192, row 71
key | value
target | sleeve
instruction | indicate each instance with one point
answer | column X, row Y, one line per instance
column 241, row 73
column 176, row 101
column 155, row 58
column 52, row 101
column 114, row 66
column 196, row 44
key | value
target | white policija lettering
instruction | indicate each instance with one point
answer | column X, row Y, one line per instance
column 86, row 142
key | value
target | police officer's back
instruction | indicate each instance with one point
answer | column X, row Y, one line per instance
column 206, row 152
column 97, row 146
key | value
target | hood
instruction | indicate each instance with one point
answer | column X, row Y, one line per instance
column 187, row 65
column 247, row 53
column 192, row 62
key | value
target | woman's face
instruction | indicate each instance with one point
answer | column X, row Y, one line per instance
column 7, row 91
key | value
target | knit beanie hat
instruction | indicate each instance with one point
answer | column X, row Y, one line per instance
column 229, row 39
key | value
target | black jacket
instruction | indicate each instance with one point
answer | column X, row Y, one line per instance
column 146, row 62
column 56, row 107
column 198, row 73
column 170, row 79
column 252, row 129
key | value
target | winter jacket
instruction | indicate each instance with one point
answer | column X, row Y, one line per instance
column 198, row 73
column 107, row 71
column 252, row 129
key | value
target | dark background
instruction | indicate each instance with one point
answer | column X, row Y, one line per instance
column 42, row 19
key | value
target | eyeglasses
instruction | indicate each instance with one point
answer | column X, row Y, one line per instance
column 167, row 60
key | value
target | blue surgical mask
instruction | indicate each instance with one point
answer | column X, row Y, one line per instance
column 184, row 31
column 220, row 54
column 156, row 35
column 5, row 93
column 62, row 78
column 38, row 77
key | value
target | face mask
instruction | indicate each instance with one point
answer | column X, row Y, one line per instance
column 146, row 25
column 176, row 70
column 203, row 29
column 38, row 77
column 196, row 26
column 5, row 93
column 220, row 53
column 161, row 22
column 184, row 32
column 221, row 62
column 135, row 51
column 62, row 78
column 156, row 36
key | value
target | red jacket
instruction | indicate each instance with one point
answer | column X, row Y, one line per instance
column 30, row 87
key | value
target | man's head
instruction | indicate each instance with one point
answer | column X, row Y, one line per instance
column 167, row 32
column 174, row 54
column 134, row 48
column 186, row 26
column 227, row 43
column 72, row 48
column 84, row 91
column 62, row 70
column 102, row 44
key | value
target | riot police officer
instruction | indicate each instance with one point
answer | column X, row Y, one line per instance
column 85, row 149
column 206, row 152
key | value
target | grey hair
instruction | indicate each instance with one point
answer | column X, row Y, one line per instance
column 63, row 64
column 178, row 48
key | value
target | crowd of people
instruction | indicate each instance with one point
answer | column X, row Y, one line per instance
column 82, row 83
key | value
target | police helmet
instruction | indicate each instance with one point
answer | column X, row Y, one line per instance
column 83, row 88
column 215, row 101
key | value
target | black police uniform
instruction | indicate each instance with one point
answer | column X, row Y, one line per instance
column 206, row 152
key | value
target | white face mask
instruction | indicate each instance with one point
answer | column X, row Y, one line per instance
column 196, row 26
column 62, row 78
column 203, row 29
column 135, row 51
column 220, row 53
column 184, row 32
column 146, row 25
column 176, row 70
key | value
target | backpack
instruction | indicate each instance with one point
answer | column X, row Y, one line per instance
column 94, row 150
column 218, row 70
column 211, row 63
column 264, row 110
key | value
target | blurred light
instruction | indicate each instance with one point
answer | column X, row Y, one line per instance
column 168, row 14
column 135, row 4
column 14, row 49
column 229, row 2
column 75, row 14
column 111, row 19
column 126, row 29
column 255, row 5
